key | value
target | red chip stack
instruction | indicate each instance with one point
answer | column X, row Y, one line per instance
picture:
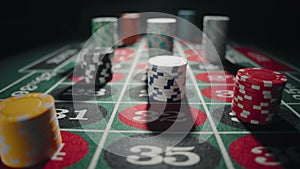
column 130, row 28
column 257, row 95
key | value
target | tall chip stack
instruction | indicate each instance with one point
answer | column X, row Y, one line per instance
column 257, row 95
column 29, row 130
column 183, row 28
column 160, row 33
column 215, row 29
column 130, row 28
column 166, row 78
column 104, row 31
column 97, row 66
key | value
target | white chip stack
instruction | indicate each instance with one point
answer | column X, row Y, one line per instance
column 215, row 29
column 166, row 78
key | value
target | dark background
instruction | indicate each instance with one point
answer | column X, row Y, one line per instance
column 270, row 25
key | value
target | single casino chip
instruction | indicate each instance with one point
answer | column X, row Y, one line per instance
column 34, row 105
column 29, row 129
column 257, row 95
column 254, row 112
column 262, row 77
column 239, row 93
column 252, row 120
column 265, row 103
column 167, row 61
column 256, row 87
column 256, row 105
column 166, row 78
column 246, row 89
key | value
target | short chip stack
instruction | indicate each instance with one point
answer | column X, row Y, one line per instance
column 257, row 95
column 97, row 66
column 29, row 130
column 166, row 78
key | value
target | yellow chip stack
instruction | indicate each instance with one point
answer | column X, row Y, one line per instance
column 29, row 130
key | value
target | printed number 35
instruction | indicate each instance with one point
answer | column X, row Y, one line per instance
column 154, row 154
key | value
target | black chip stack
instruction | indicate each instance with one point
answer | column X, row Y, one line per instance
column 97, row 66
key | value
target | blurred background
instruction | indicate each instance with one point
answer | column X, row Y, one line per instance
column 270, row 25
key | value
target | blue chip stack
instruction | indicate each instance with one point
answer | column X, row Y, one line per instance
column 166, row 78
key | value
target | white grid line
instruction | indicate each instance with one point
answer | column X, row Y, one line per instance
column 140, row 102
column 95, row 159
column 224, row 152
column 17, row 81
column 43, row 71
column 42, row 59
column 59, row 67
column 81, row 130
column 293, row 103
column 192, row 132
column 57, row 83
column 68, row 83
column 141, row 83
column 292, row 76
column 289, row 107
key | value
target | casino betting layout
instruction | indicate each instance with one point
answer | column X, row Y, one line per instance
column 150, row 90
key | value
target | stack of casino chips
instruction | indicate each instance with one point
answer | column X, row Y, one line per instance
column 104, row 31
column 257, row 95
column 166, row 78
column 215, row 30
column 160, row 33
column 184, row 31
column 97, row 66
column 29, row 130
column 130, row 28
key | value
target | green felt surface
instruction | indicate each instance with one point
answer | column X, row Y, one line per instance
column 110, row 129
